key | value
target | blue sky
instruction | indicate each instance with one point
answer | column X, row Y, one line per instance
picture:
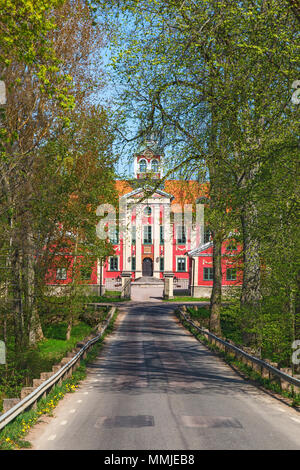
column 107, row 96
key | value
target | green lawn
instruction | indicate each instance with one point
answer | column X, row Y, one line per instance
column 54, row 347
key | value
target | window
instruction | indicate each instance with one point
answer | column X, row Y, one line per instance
column 161, row 264
column 208, row 274
column 147, row 211
column 207, row 235
column 61, row 274
column 231, row 274
column 147, row 234
column 143, row 166
column 231, row 246
column 113, row 263
column 133, row 235
column 161, row 235
column 154, row 166
column 181, row 238
column 181, row 265
column 113, row 236
column 133, row 264
column 85, row 273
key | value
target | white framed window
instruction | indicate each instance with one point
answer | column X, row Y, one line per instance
column 113, row 263
column 143, row 166
column 133, row 235
column 147, row 211
column 232, row 246
column 181, row 264
column 207, row 235
column 208, row 274
column 61, row 274
column 231, row 274
column 154, row 166
column 147, row 234
column 181, row 238
column 113, row 234
column 161, row 235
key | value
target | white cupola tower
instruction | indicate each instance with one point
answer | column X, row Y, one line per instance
column 148, row 161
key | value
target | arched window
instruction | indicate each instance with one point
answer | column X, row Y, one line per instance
column 154, row 166
column 143, row 166
column 147, row 211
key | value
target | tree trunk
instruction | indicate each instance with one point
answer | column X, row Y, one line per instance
column 35, row 331
column 19, row 336
column 251, row 290
column 35, row 327
column 72, row 290
column 251, row 287
column 216, row 295
column 69, row 329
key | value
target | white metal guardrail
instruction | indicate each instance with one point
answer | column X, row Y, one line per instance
column 42, row 389
column 239, row 352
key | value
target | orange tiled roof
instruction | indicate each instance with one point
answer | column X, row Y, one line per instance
column 184, row 192
column 123, row 187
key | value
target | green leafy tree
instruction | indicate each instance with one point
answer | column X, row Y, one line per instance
column 186, row 64
column 33, row 118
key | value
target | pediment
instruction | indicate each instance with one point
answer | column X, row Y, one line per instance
column 140, row 193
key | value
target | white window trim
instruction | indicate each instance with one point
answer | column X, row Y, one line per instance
column 143, row 240
column 207, row 267
column 176, row 235
column 61, row 278
column 139, row 163
column 113, row 270
column 185, row 257
column 155, row 160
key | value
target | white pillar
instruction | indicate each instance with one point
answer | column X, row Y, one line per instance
column 168, row 287
column 168, row 256
column 195, row 272
column 126, row 285
column 156, row 237
column 138, row 242
column 100, row 277
column 127, row 240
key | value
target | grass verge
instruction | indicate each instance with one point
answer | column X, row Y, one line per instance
column 12, row 437
column 39, row 359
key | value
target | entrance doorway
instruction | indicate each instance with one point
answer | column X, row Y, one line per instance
column 147, row 269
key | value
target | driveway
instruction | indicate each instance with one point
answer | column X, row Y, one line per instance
column 154, row 386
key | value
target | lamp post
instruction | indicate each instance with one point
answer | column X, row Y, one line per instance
column 100, row 292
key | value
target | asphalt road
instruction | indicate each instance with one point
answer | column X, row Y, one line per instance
column 156, row 387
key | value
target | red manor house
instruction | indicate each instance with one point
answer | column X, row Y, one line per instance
column 154, row 257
